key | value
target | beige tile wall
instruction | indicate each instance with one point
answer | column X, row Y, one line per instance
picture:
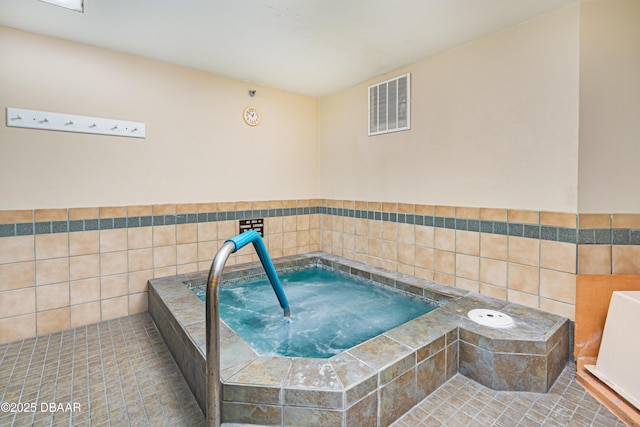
column 531, row 272
column 50, row 282
column 606, row 258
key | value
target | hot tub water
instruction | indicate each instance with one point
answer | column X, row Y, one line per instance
column 329, row 313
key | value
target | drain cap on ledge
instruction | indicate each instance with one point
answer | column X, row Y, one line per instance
column 491, row 318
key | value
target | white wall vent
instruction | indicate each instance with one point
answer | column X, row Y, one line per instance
column 389, row 106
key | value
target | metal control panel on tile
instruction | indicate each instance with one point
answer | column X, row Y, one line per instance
column 256, row 224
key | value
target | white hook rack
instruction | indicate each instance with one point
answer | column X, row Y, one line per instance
column 33, row 119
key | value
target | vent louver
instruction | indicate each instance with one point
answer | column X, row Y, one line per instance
column 389, row 105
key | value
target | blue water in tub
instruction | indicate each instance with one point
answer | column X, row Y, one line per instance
column 330, row 312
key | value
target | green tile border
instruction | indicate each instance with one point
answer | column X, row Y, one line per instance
column 591, row 236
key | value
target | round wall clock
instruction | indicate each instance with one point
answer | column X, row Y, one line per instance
column 252, row 116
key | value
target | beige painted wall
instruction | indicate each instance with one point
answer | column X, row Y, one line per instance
column 197, row 149
column 610, row 106
column 494, row 124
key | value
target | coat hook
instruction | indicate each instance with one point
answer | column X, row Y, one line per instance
column 70, row 122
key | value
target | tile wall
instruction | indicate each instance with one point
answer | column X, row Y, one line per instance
column 527, row 257
column 609, row 244
column 61, row 268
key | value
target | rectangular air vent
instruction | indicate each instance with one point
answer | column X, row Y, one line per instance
column 389, row 106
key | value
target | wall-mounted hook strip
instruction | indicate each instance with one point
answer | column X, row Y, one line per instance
column 34, row 119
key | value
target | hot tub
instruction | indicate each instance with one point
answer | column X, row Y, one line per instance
column 375, row 382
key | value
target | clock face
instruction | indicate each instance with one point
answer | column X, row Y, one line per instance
column 251, row 116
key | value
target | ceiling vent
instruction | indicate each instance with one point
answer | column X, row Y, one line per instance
column 389, row 106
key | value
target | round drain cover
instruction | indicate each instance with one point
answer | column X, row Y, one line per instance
column 492, row 318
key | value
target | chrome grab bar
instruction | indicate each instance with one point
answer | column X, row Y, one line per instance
column 214, row 392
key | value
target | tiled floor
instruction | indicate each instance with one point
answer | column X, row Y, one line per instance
column 463, row 402
column 121, row 373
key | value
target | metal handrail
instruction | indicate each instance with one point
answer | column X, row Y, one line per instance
column 214, row 392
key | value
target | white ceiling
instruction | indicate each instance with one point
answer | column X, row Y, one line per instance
column 312, row 47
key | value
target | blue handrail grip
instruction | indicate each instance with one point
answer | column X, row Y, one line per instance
column 242, row 239
column 254, row 237
column 261, row 249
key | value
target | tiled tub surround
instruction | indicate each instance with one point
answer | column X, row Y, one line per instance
column 375, row 382
column 63, row 268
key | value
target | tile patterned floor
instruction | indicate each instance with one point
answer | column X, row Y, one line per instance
column 463, row 402
column 120, row 373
